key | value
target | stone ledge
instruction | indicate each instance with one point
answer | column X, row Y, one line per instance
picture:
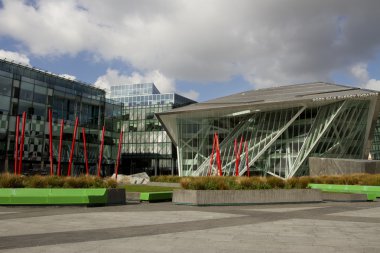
column 164, row 184
column 132, row 196
column 245, row 197
column 344, row 197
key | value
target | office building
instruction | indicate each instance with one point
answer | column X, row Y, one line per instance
column 146, row 145
column 30, row 90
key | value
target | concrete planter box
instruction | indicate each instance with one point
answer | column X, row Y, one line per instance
column 245, row 197
column 116, row 196
column 344, row 197
column 132, row 196
column 163, row 184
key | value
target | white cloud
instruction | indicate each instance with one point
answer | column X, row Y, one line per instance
column 360, row 72
column 15, row 56
column 373, row 84
column 67, row 76
column 267, row 42
column 192, row 94
column 114, row 77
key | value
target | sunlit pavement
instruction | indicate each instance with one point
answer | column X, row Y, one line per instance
column 164, row 227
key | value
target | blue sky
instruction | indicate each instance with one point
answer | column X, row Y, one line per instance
column 201, row 49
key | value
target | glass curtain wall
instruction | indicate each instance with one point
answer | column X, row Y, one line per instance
column 279, row 141
column 146, row 145
column 375, row 151
column 29, row 90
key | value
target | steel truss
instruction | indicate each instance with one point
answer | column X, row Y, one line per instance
column 279, row 142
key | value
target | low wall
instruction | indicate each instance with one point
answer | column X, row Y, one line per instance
column 164, row 184
column 344, row 197
column 334, row 166
column 245, row 197
column 132, row 196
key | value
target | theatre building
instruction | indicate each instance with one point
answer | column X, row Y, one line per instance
column 279, row 128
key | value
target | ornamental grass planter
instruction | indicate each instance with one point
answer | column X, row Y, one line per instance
column 245, row 197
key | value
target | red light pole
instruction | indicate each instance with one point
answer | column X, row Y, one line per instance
column 101, row 151
column 85, row 149
column 60, row 148
column 246, row 157
column 118, row 154
column 17, row 130
column 218, row 158
column 51, row 141
column 22, row 142
column 212, row 156
column 73, row 146
column 237, row 155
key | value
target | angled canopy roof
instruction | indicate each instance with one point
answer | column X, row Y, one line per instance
column 298, row 93
column 253, row 101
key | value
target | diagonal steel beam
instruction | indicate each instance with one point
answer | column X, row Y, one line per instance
column 318, row 130
column 278, row 134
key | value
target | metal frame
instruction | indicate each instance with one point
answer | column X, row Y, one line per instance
column 278, row 141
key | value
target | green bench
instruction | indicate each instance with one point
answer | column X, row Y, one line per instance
column 156, row 196
column 52, row 196
column 372, row 192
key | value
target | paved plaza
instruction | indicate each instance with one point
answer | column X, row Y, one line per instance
column 164, row 227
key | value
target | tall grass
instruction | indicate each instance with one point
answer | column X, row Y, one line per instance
column 255, row 183
column 15, row 181
column 166, row 179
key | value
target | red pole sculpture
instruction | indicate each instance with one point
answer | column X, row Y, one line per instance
column 60, row 148
column 212, row 156
column 101, row 152
column 17, row 130
column 236, row 158
column 22, row 142
column 118, row 153
column 72, row 146
column 51, row 141
column 85, row 149
column 246, row 157
column 218, row 160
column 237, row 155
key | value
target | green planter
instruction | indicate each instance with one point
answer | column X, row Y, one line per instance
column 156, row 196
column 52, row 196
column 372, row 192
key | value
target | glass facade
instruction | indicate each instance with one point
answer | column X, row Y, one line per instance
column 375, row 150
column 26, row 89
column 279, row 138
column 146, row 145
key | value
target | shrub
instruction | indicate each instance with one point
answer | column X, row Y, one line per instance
column 166, row 179
column 373, row 180
column 291, row 183
column 36, row 182
column 276, row 183
column 110, row 183
column 11, row 181
column 55, row 182
column 15, row 181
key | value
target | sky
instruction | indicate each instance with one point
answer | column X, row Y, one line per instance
column 201, row 49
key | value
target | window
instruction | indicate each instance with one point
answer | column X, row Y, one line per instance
column 5, row 86
column 26, row 91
